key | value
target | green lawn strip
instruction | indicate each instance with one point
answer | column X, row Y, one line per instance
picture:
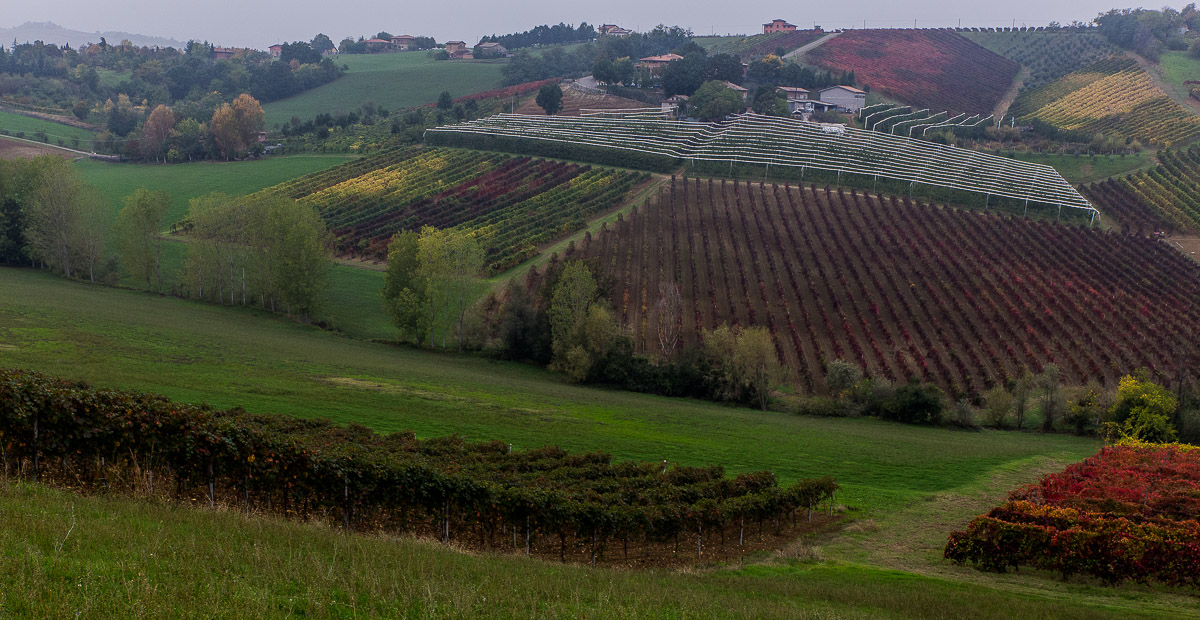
column 14, row 123
column 1077, row 169
column 187, row 181
column 1177, row 68
column 392, row 81
column 199, row 352
column 104, row 557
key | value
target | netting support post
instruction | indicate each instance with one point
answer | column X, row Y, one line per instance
column 1026, row 214
column 1092, row 223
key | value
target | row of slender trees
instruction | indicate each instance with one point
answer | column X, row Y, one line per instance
column 264, row 250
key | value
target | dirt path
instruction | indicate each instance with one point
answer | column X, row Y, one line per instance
column 804, row 49
column 1188, row 244
column 1010, row 95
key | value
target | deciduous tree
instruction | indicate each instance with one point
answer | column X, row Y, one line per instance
column 155, row 133
column 138, row 235
column 549, row 98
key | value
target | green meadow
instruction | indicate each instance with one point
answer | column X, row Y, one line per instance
column 15, row 123
column 903, row 487
column 393, row 81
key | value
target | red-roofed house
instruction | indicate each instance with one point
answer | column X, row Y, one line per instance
column 223, row 53
column 403, row 42
column 276, row 50
column 376, row 45
column 456, row 48
column 778, row 25
column 655, row 64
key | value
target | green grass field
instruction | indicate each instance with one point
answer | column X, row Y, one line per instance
column 14, row 123
column 200, row 352
column 1177, row 68
column 187, row 181
column 392, row 81
column 1088, row 169
column 104, row 557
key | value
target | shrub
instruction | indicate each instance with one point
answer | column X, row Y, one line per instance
column 916, row 403
column 997, row 403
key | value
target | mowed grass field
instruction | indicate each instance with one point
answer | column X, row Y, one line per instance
column 352, row 302
column 906, row 487
column 187, row 181
column 14, row 123
column 393, row 81
column 199, row 352
column 1078, row 169
column 1177, row 68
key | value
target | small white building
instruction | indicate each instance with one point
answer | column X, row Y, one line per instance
column 846, row 98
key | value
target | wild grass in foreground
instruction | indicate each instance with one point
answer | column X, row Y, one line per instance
column 69, row 556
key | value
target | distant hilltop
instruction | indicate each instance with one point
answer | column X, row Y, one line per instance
column 48, row 32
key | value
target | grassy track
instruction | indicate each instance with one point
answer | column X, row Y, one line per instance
column 14, row 123
column 67, row 556
column 393, row 81
column 186, row 181
column 197, row 352
column 1087, row 169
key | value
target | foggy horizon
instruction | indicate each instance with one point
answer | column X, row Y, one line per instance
column 262, row 26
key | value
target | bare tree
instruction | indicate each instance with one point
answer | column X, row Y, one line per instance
column 668, row 308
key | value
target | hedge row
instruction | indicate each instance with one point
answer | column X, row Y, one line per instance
column 457, row 489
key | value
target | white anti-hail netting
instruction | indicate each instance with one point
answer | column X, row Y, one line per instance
column 776, row 141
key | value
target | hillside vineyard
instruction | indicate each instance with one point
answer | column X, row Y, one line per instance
column 906, row 290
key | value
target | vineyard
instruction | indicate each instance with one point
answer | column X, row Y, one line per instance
column 1166, row 198
column 1128, row 513
column 935, row 69
column 804, row 151
column 1048, row 55
column 1115, row 96
column 545, row 501
column 760, row 45
column 517, row 203
column 905, row 290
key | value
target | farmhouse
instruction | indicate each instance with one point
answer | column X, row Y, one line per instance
column 403, row 42
column 655, row 64
column 490, row 50
column 613, row 30
column 276, row 50
column 456, row 49
column 778, row 25
column 796, row 97
column 744, row 92
column 672, row 105
column 223, row 53
column 376, row 45
column 846, row 98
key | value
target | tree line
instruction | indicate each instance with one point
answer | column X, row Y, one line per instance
column 193, row 82
column 557, row 34
column 265, row 250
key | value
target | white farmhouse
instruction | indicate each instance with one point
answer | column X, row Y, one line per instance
column 846, row 98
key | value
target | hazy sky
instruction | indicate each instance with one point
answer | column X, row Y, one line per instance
column 256, row 23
